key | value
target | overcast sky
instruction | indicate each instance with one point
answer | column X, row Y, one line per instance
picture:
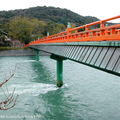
column 101, row 9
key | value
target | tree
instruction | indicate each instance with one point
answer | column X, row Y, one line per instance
column 54, row 28
column 2, row 40
column 44, row 13
column 20, row 28
column 39, row 27
column 10, row 101
column 25, row 29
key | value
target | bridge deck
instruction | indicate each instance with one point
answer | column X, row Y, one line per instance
column 105, row 58
column 98, row 48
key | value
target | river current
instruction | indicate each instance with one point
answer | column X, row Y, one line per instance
column 87, row 93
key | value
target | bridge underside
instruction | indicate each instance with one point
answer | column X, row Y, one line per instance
column 105, row 57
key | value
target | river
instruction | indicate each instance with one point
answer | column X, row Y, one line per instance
column 87, row 93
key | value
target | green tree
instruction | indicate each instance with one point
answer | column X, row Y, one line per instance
column 20, row 28
column 54, row 28
column 39, row 27
column 25, row 29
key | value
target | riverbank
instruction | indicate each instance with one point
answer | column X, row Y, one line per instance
column 19, row 52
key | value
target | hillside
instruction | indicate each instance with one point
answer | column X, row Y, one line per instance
column 44, row 13
column 26, row 25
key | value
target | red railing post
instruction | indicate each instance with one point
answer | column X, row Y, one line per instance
column 102, row 24
column 86, row 29
column 102, row 32
column 113, row 31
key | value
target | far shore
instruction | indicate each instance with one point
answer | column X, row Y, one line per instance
column 7, row 51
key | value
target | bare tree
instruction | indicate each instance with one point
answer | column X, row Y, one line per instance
column 9, row 101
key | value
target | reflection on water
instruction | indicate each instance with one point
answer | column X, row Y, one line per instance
column 87, row 94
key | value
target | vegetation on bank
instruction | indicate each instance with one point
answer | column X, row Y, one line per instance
column 30, row 24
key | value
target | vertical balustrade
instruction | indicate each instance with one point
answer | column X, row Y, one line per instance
column 97, row 34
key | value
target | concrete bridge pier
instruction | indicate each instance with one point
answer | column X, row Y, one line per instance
column 59, row 68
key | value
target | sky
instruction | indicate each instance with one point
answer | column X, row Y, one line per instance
column 102, row 9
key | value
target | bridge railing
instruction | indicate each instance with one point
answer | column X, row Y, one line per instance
column 86, row 32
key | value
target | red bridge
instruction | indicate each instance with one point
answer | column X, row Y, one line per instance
column 84, row 33
column 96, row 45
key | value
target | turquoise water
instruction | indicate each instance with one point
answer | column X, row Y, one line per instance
column 87, row 93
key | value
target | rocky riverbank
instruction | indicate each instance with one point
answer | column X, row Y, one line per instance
column 20, row 52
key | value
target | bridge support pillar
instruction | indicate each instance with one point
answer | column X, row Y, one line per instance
column 59, row 72
column 37, row 55
column 59, row 66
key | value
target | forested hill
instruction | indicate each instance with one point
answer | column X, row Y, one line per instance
column 30, row 24
column 44, row 13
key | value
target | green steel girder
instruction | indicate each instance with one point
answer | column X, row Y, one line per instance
column 102, row 43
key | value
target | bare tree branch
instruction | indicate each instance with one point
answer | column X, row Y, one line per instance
column 10, row 101
column 5, row 103
column 8, row 78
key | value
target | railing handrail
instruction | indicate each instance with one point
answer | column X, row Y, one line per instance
column 90, row 24
column 67, row 35
column 97, row 22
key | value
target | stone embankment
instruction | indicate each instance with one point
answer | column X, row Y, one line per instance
column 20, row 52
